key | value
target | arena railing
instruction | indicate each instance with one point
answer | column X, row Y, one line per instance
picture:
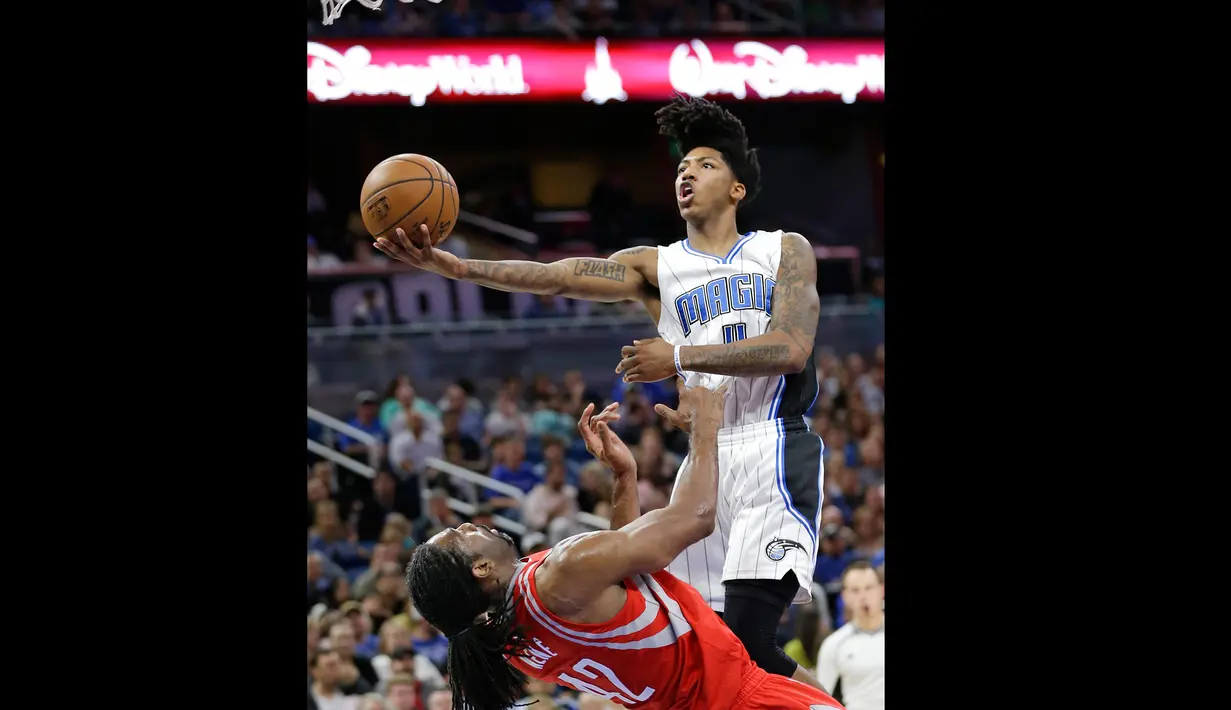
column 587, row 519
column 489, row 325
column 444, row 467
column 505, row 230
column 337, row 425
column 530, row 325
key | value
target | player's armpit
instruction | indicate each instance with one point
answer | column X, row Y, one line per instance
column 785, row 347
column 619, row 278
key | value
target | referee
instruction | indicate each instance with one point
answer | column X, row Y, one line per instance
column 855, row 653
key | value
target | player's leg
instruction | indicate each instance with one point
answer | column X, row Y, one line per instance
column 778, row 693
column 701, row 565
column 772, row 551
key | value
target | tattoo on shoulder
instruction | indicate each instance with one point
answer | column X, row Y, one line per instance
column 599, row 268
column 794, row 312
column 635, row 250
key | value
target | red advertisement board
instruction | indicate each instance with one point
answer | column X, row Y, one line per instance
column 422, row 71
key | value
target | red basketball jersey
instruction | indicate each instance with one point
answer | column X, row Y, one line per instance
column 665, row 649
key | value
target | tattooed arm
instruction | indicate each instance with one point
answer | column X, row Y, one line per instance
column 619, row 278
column 785, row 347
column 623, row 277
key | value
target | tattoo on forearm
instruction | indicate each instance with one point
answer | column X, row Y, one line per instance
column 599, row 268
column 517, row 276
column 738, row 360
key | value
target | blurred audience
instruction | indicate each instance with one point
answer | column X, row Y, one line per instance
column 368, row 647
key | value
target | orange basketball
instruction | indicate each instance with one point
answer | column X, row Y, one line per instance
column 406, row 191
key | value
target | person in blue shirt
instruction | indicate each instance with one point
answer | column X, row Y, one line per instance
column 832, row 559
column 513, row 469
column 367, row 418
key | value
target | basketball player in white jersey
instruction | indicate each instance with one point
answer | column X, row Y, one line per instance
column 730, row 307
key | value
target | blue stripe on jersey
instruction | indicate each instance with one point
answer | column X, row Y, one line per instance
column 780, row 471
column 777, row 400
column 724, row 259
column 738, row 246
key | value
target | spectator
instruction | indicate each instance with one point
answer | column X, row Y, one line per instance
column 469, row 454
column 511, row 468
column 329, row 589
column 330, row 537
column 402, row 691
column 373, row 701
column 578, row 394
column 366, row 642
column 835, row 556
column 553, row 419
column 371, row 310
column 390, row 589
column 806, row 644
column 383, row 553
column 399, row 392
column 654, row 459
column 404, row 661
column 869, row 537
column 317, row 492
column 342, row 642
column 459, row 397
column 428, row 641
column 438, row 517
column 506, row 418
column 417, row 439
column 551, row 505
column 594, row 487
column 366, row 419
column 388, row 496
column 325, row 692
column 440, row 700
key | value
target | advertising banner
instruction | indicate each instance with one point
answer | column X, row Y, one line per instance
column 417, row 72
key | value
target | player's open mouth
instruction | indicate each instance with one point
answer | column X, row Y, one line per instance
column 686, row 193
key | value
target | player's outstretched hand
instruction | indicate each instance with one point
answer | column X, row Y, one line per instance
column 649, row 360
column 602, row 443
column 425, row 257
column 696, row 404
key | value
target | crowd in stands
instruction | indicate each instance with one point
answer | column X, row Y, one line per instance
column 368, row 648
column 576, row 19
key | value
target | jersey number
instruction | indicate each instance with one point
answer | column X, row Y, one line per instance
column 732, row 333
column 585, row 667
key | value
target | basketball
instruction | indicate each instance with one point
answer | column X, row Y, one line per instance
column 406, row 191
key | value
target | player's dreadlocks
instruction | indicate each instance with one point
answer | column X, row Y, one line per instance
column 693, row 122
column 448, row 596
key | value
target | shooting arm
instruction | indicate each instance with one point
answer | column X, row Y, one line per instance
column 785, row 347
column 605, row 280
column 579, row 569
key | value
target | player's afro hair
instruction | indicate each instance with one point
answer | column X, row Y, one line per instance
column 693, row 122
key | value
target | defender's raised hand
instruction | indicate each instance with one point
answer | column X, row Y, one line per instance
column 424, row 257
column 602, row 443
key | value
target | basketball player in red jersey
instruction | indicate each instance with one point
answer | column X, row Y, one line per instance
column 731, row 308
column 597, row 612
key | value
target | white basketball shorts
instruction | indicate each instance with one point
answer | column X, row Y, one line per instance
column 770, row 491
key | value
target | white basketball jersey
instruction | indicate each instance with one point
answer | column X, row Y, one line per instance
column 712, row 300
